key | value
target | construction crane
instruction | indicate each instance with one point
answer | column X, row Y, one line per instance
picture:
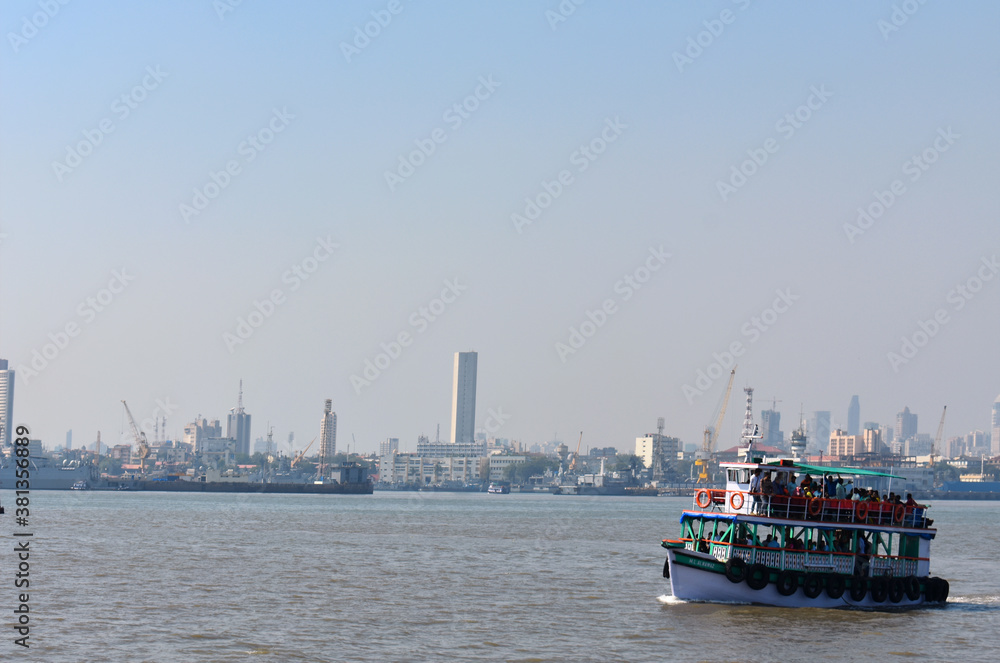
column 712, row 434
column 142, row 448
column 937, row 438
column 302, row 454
column 572, row 463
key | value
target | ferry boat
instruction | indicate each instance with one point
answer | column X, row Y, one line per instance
column 791, row 551
column 499, row 488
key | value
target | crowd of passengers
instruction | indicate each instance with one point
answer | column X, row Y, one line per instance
column 841, row 542
column 828, row 486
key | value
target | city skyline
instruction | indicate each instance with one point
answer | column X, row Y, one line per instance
column 614, row 209
column 766, row 416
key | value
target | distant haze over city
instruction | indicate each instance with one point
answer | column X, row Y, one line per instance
column 611, row 204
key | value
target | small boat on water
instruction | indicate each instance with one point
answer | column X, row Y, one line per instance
column 80, row 485
column 499, row 488
column 800, row 551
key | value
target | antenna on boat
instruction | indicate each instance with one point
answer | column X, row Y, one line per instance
column 750, row 429
column 799, row 438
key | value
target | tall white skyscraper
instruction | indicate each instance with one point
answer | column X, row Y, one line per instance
column 6, row 401
column 463, row 398
column 994, row 439
column 327, row 434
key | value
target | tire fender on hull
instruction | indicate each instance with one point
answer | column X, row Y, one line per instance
column 812, row 585
column 835, row 586
column 758, row 576
column 859, row 588
column 786, row 583
column 736, row 569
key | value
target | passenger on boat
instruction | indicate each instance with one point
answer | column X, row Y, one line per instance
column 910, row 501
column 755, row 491
column 839, row 492
column 766, row 490
column 778, row 487
column 771, row 542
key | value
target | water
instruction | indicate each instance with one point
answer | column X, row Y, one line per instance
column 436, row 576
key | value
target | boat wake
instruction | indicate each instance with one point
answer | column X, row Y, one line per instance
column 673, row 600
column 974, row 603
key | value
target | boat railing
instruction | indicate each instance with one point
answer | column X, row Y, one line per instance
column 816, row 561
column 814, row 508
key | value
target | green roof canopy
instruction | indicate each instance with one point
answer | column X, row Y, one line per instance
column 819, row 469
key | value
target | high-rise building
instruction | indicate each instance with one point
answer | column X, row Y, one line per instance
column 770, row 428
column 463, row 398
column 328, row 434
column 199, row 430
column 854, row 417
column 995, row 439
column 906, row 425
column 69, row 440
column 238, row 426
column 819, row 429
column 6, row 402
column 391, row 446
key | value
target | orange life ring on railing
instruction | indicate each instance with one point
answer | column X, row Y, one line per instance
column 815, row 506
column 898, row 513
column 702, row 498
column 733, row 501
column 861, row 510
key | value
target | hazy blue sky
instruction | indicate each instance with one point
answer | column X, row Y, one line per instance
column 113, row 114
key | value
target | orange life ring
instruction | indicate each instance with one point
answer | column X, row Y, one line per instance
column 734, row 503
column 898, row 513
column 815, row 506
column 861, row 510
column 702, row 498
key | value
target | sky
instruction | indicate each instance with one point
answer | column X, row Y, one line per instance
column 612, row 203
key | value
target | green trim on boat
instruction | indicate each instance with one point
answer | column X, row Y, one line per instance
column 820, row 469
column 699, row 562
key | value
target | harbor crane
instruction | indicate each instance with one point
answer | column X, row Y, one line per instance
column 142, row 447
column 572, row 463
column 936, row 445
column 712, row 434
column 302, row 454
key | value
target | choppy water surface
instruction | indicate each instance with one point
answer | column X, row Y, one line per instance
column 437, row 576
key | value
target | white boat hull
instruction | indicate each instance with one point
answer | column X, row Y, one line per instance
column 697, row 584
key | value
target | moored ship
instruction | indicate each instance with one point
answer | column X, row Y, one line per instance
column 802, row 550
